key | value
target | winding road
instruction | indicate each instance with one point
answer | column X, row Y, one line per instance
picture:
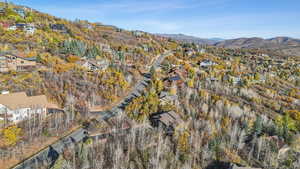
column 49, row 154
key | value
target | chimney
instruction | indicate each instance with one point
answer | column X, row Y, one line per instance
column 4, row 92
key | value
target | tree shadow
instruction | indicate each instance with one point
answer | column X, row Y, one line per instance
column 219, row 165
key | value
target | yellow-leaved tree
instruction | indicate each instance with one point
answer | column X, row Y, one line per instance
column 12, row 135
column 183, row 145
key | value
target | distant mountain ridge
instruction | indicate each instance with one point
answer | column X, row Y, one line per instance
column 282, row 45
column 192, row 39
column 258, row 42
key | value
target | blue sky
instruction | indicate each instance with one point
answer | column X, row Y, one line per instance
column 202, row 18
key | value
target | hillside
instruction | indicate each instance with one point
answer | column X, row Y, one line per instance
column 78, row 65
column 59, row 45
column 218, row 109
column 283, row 45
column 153, row 102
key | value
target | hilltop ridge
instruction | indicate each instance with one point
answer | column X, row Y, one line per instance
column 281, row 45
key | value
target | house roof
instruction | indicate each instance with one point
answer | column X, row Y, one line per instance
column 98, row 64
column 4, row 55
column 169, row 118
column 58, row 26
column 14, row 101
column 30, row 58
column 40, row 101
column 96, row 109
column 166, row 119
column 174, row 78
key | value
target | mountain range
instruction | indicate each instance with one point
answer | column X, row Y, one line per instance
column 192, row 39
column 282, row 45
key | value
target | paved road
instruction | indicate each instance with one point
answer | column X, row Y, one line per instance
column 51, row 153
column 136, row 91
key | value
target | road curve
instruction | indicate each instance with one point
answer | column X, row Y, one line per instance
column 50, row 154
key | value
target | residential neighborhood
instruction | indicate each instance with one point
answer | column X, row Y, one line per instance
column 79, row 93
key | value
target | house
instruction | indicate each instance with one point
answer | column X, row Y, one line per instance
column 12, row 28
column 167, row 120
column 20, row 12
column 189, row 52
column 88, row 26
column 145, row 48
column 235, row 80
column 2, row 10
column 90, row 65
column 59, row 28
column 16, row 107
column 21, row 26
column 9, row 62
column 103, row 64
column 174, row 78
column 166, row 97
column 211, row 79
column 93, row 65
column 138, row 33
column 207, row 63
column 29, row 29
column 201, row 51
column 105, row 48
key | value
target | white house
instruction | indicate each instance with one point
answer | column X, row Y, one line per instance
column 201, row 51
column 29, row 29
column 138, row 33
column 265, row 55
column 235, row 80
column 207, row 63
column 88, row 26
column 16, row 107
column 189, row 52
column 93, row 65
column 12, row 28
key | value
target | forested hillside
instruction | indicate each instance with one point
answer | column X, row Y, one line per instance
column 204, row 107
column 79, row 66
column 235, row 107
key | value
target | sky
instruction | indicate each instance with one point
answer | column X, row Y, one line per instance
column 202, row 18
